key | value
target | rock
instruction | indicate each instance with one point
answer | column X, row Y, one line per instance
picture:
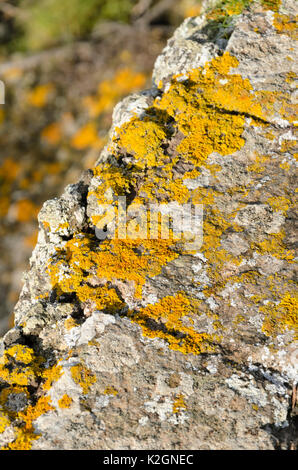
column 126, row 339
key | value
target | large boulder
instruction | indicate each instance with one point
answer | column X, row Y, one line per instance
column 130, row 338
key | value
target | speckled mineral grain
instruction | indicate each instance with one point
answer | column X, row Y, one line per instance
column 147, row 343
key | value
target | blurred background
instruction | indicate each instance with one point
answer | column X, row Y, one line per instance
column 64, row 64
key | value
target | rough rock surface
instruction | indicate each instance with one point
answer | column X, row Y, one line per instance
column 140, row 343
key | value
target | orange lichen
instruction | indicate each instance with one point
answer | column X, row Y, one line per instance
column 199, row 104
column 127, row 260
column 166, row 320
column 70, row 323
column 179, row 404
column 143, row 140
column 110, row 391
column 83, row 377
column 25, row 435
column 281, row 316
column 285, row 24
column 280, row 203
column 274, row 246
column 20, row 372
column 51, row 375
column 65, row 401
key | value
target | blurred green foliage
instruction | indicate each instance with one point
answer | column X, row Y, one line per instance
column 44, row 23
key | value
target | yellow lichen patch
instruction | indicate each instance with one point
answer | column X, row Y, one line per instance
column 86, row 137
column 291, row 77
column 285, row 166
column 112, row 179
column 288, row 145
column 150, row 158
column 286, row 25
column 179, row 404
column 281, row 316
column 280, row 203
column 274, row 245
column 20, row 370
column 258, row 167
column 51, row 375
column 83, row 377
column 40, row 95
column 24, row 367
column 104, row 298
column 110, row 391
column 166, row 320
column 202, row 105
column 127, row 260
column 270, row 136
column 288, row 110
column 143, row 140
column 21, row 353
column 65, row 401
column 70, row 323
column 218, row 258
column 4, row 422
column 25, row 434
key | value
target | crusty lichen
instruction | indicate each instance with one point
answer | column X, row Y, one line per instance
column 21, row 370
column 281, row 315
column 179, row 404
column 110, row 391
column 65, row 401
column 83, row 377
column 203, row 113
column 285, row 24
column 128, row 260
column 172, row 319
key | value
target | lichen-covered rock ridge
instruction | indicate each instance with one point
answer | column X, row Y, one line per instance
column 147, row 342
